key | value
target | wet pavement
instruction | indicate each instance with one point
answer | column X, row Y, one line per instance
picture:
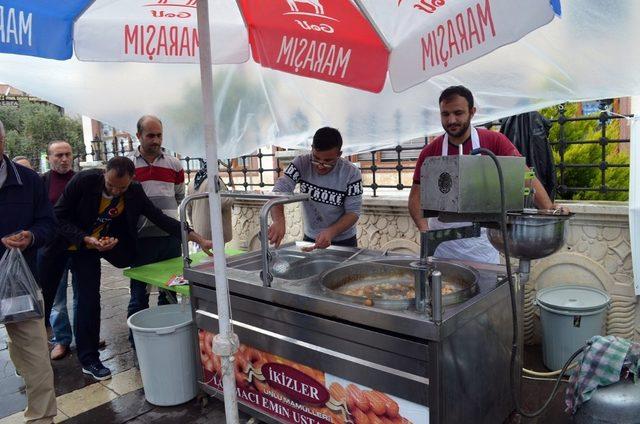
column 121, row 399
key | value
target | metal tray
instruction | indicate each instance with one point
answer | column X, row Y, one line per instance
column 463, row 278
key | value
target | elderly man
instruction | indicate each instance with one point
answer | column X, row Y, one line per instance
column 162, row 178
column 98, row 212
column 60, row 157
column 27, row 223
column 22, row 160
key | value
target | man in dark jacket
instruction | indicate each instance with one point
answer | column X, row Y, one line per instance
column 27, row 223
column 98, row 214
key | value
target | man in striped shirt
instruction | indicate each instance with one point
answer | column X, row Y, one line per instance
column 162, row 179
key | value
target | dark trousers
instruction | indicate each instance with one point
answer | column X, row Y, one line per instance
column 85, row 265
column 51, row 267
column 350, row 242
column 150, row 250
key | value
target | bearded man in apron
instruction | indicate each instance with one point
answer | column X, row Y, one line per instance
column 456, row 112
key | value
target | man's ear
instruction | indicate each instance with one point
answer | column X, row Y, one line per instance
column 340, row 153
column 472, row 112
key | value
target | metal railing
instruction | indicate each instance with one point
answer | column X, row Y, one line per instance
column 392, row 168
column 604, row 118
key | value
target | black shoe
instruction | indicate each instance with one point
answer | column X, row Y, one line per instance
column 97, row 371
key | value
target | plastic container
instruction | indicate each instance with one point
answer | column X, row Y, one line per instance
column 570, row 315
column 164, row 338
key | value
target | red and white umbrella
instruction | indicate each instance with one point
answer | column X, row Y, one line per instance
column 350, row 43
column 354, row 43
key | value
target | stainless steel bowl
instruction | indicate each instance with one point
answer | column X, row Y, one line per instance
column 532, row 234
column 463, row 278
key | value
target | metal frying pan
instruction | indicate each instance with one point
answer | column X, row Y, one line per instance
column 389, row 283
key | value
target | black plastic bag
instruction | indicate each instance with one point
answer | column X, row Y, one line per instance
column 20, row 297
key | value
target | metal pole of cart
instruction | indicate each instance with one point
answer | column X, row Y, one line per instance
column 226, row 342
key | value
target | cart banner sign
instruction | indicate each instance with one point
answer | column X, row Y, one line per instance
column 322, row 39
column 294, row 393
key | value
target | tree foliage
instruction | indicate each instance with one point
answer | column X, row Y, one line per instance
column 31, row 126
column 588, row 130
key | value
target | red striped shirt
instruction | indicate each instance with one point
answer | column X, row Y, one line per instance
column 158, row 173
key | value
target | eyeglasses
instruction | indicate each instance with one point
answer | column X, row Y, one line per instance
column 328, row 165
column 322, row 164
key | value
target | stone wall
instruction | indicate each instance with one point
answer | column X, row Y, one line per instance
column 597, row 252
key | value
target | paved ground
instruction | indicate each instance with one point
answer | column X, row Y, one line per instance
column 121, row 400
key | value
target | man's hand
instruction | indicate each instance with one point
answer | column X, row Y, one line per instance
column 561, row 210
column 324, row 239
column 205, row 245
column 276, row 232
column 101, row 245
column 20, row 240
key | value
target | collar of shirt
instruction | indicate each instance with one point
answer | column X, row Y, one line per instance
column 3, row 171
column 138, row 155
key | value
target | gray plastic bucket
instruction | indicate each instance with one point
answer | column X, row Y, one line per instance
column 570, row 315
column 164, row 338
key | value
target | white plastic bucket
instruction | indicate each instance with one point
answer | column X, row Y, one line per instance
column 164, row 338
column 569, row 315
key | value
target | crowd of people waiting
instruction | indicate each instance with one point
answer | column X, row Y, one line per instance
column 66, row 222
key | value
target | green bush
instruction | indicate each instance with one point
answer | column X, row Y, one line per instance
column 588, row 154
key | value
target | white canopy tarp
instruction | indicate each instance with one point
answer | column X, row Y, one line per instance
column 587, row 54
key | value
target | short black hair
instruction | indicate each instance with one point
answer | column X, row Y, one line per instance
column 122, row 166
column 145, row 118
column 457, row 90
column 327, row 138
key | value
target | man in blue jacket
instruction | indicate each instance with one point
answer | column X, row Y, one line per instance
column 27, row 223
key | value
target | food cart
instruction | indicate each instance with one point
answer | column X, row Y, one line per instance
column 346, row 335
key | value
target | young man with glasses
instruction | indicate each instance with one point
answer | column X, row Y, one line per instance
column 335, row 194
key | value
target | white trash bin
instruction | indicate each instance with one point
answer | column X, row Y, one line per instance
column 569, row 315
column 164, row 338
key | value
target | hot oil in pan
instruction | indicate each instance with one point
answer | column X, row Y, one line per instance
column 387, row 287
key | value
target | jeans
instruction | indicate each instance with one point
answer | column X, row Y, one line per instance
column 59, row 318
column 52, row 270
column 150, row 250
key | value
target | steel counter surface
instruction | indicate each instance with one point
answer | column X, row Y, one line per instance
column 307, row 295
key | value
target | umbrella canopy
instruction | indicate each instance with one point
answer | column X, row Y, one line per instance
column 349, row 42
column 257, row 106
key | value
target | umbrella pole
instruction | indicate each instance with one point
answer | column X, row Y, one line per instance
column 225, row 343
column 634, row 198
